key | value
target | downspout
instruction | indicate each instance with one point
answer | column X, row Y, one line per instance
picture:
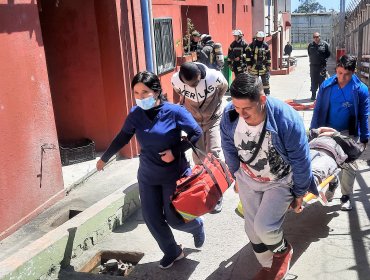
column 268, row 17
column 145, row 17
column 275, row 38
column 150, row 3
column 281, row 47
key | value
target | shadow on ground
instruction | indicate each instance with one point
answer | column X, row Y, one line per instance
column 310, row 226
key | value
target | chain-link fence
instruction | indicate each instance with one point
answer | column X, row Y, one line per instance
column 357, row 35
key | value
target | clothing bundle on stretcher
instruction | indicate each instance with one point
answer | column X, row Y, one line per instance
column 329, row 154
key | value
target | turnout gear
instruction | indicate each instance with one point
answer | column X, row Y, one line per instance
column 258, row 59
column 211, row 54
column 237, row 54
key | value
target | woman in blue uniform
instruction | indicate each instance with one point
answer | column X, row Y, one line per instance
column 158, row 127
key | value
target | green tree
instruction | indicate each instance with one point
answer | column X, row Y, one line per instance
column 310, row 6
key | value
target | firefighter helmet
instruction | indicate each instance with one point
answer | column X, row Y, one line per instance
column 206, row 38
column 260, row 34
column 237, row 32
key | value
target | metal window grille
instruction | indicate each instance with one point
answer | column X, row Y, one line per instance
column 164, row 49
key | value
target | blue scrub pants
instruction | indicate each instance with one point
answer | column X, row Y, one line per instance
column 158, row 215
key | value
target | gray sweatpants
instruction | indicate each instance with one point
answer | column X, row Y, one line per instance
column 265, row 205
column 323, row 165
column 210, row 141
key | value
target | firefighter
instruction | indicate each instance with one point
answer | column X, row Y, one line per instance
column 211, row 53
column 259, row 60
column 237, row 53
column 194, row 42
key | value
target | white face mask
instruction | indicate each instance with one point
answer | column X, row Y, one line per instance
column 146, row 103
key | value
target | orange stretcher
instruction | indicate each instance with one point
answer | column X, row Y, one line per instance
column 300, row 106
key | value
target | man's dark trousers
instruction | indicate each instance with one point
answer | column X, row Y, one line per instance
column 318, row 74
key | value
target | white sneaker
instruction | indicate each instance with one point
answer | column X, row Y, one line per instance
column 346, row 203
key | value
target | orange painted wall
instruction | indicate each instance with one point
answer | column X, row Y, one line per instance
column 26, row 120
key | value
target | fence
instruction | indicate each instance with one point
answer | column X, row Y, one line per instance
column 357, row 35
column 304, row 25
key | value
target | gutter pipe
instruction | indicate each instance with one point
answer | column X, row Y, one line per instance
column 147, row 35
column 150, row 3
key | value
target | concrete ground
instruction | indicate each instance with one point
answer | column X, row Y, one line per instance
column 328, row 243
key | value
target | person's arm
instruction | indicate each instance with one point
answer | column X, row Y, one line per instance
column 222, row 86
column 176, row 88
column 327, row 51
column 268, row 59
column 363, row 111
column 186, row 122
column 230, row 53
column 248, row 55
column 122, row 138
column 227, row 144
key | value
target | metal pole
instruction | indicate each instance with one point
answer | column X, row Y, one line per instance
column 342, row 23
column 281, row 48
column 150, row 8
column 275, row 38
column 147, row 35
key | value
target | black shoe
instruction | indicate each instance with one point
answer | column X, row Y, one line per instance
column 168, row 261
column 218, row 207
column 313, row 98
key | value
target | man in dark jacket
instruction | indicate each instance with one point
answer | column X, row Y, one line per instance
column 288, row 49
column 318, row 52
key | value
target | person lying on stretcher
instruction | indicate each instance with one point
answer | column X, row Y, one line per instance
column 329, row 151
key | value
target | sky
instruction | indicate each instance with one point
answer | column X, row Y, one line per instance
column 328, row 4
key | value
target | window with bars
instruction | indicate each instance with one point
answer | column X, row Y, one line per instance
column 164, row 49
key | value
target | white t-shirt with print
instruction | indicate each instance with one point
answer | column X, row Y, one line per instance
column 268, row 164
